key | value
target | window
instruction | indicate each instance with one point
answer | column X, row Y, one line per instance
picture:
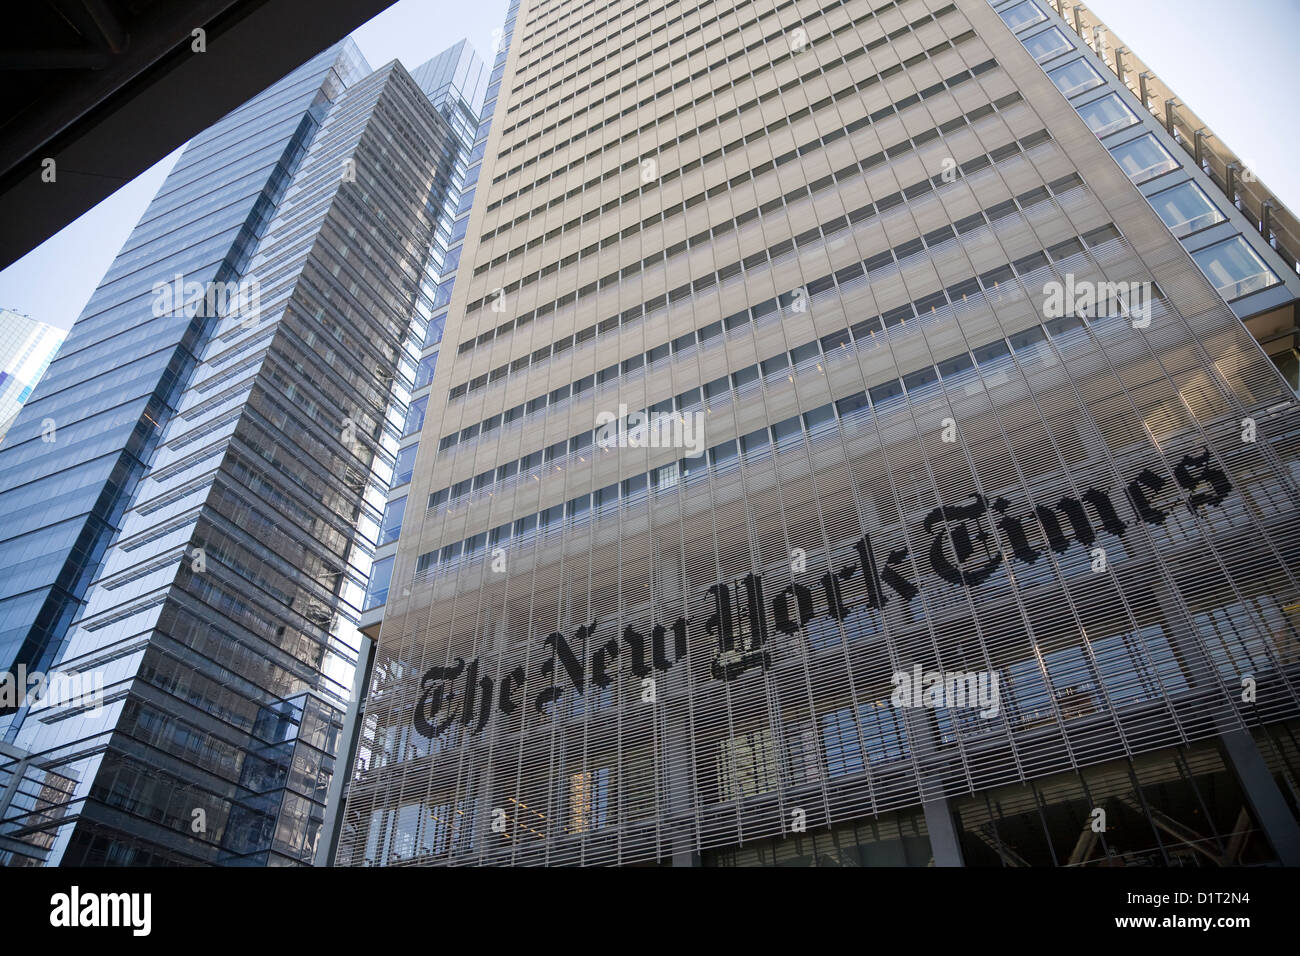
column 635, row 485
column 1022, row 15
column 787, row 431
column 415, row 415
column 391, row 526
column 744, row 376
column 424, row 372
column 1051, row 42
column 779, row 363
column 819, row 416
column 882, row 732
column 986, row 354
column 951, row 369
column 1075, row 77
column 434, row 333
column 853, row 405
column 1106, row 115
column 453, row 260
column 717, row 387
column 405, row 464
column 666, row 477
column 755, row 441
column 588, row 800
column 403, row 845
column 722, row 454
column 840, row 743
column 381, row 573
column 442, row 295
column 1234, row 268
column 1185, row 209
column 606, row 497
column 747, row 765
column 1143, row 158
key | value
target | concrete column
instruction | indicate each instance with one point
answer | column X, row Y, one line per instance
column 1263, row 795
column 943, row 833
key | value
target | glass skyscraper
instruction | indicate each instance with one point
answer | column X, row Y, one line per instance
column 198, row 534
column 851, row 448
column 27, row 347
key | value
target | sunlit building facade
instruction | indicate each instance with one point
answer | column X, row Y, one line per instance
column 949, row 340
column 27, row 347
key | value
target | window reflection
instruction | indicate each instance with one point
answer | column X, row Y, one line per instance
column 1106, row 115
column 1049, row 43
column 1075, row 77
column 1186, row 209
column 1143, row 158
column 1234, row 268
column 1022, row 15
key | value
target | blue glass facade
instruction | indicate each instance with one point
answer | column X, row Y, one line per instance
column 219, row 608
column 80, row 444
column 455, row 82
column 27, row 347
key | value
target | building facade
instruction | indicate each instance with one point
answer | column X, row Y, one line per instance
column 120, row 373
column 219, row 621
column 854, row 450
column 27, row 346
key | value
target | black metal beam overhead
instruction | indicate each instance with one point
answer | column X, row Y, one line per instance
column 106, row 88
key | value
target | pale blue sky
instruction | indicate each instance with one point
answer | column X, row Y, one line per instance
column 1229, row 62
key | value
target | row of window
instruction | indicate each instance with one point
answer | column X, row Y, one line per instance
column 853, row 90
column 695, row 54
column 611, row 31
column 569, row 22
column 890, row 152
column 849, row 740
column 798, row 194
column 631, row 44
column 1232, row 266
column 956, row 293
column 863, row 333
column 1033, row 824
column 762, row 257
column 877, row 400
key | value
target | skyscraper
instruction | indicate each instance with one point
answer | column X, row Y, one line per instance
column 854, row 451
column 26, row 349
column 119, row 375
column 286, row 275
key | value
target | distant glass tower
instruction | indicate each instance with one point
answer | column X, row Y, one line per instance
column 854, row 446
column 284, row 285
column 27, row 347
